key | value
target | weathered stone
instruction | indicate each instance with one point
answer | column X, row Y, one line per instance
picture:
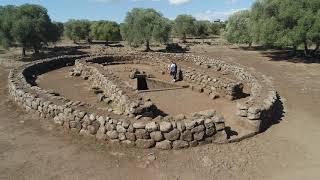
column 112, row 134
column 193, row 143
column 214, row 95
column 190, row 124
column 92, row 129
column 145, row 143
column 207, row 113
column 152, row 126
column 128, row 143
column 220, row 126
column 142, row 134
column 101, row 133
column 198, row 136
column 110, row 127
column 210, row 131
column 121, row 136
column 139, row 125
column 130, row 136
column 121, row 129
column 172, row 135
column 157, row 136
column 243, row 113
column 73, row 124
column 187, row 136
column 179, row 117
column 179, row 144
column 181, row 126
column 164, row 145
column 165, row 126
column 209, row 123
column 126, row 123
column 197, row 129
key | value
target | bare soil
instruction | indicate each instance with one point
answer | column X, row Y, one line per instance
column 288, row 150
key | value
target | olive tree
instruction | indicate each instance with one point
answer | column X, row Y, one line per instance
column 287, row 23
column 105, row 30
column 185, row 25
column 238, row 29
column 28, row 26
column 77, row 30
column 141, row 26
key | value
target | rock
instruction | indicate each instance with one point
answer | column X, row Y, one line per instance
column 142, row 134
column 126, row 123
column 121, row 129
column 197, row 129
column 186, row 136
column 145, row 143
column 190, row 124
column 207, row 113
column 101, row 133
column 92, row 129
column 110, row 127
column 139, row 125
column 243, row 113
column 121, row 136
column 179, row 144
column 198, row 136
column 164, row 145
column 130, row 136
column 220, row 126
column 172, row 135
column 210, row 131
column 179, row 117
column 193, row 143
column 128, row 143
column 181, row 126
column 112, row 134
column 152, row 126
column 165, row 126
column 209, row 123
column 214, row 95
column 157, row 136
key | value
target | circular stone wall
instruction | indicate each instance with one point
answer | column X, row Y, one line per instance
column 134, row 120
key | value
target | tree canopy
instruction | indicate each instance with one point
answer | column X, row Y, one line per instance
column 77, row 30
column 145, row 25
column 185, row 25
column 105, row 30
column 238, row 28
column 278, row 23
column 27, row 25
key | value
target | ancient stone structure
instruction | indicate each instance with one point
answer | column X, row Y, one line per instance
column 135, row 121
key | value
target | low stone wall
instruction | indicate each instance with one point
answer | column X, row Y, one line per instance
column 180, row 132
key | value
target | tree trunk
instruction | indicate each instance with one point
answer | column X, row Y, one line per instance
column 184, row 38
column 148, row 46
column 250, row 45
column 23, row 51
column 294, row 49
column 306, row 50
column 107, row 42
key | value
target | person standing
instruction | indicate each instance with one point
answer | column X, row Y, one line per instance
column 173, row 71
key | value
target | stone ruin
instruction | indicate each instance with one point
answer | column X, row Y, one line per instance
column 135, row 121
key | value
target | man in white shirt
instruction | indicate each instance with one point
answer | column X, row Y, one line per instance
column 173, row 68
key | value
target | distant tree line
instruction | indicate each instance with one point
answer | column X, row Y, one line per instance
column 278, row 23
column 30, row 27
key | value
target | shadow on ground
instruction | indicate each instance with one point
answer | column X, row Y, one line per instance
column 284, row 54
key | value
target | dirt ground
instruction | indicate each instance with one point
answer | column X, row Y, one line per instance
column 288, row 150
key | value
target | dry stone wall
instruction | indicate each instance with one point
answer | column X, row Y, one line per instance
column 162, row 133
